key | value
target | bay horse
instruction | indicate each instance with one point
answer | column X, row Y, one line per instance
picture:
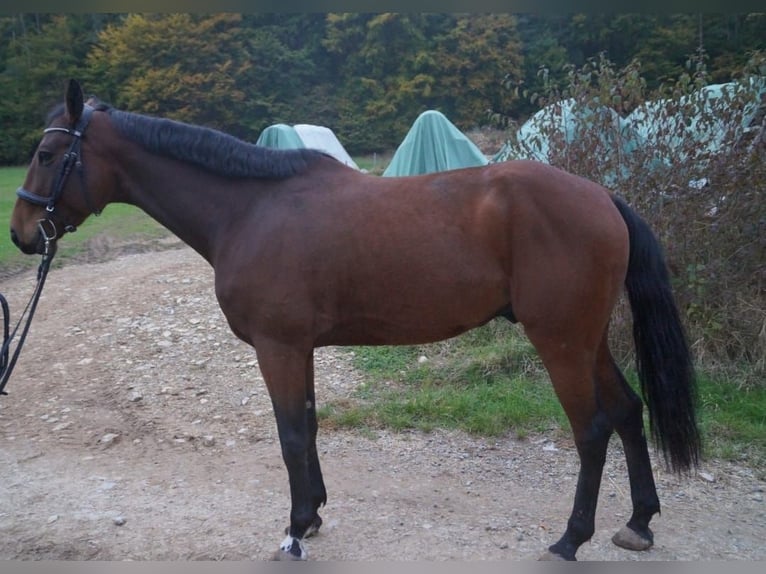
column 308, row 252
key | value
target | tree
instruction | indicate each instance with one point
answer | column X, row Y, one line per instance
column 367, row 76
column 183, row 66
column 475, row 60
column 378, row 57
column 287, row 81
column 394, row 66
column 39, row 57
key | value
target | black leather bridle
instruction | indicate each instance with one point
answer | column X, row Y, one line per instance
column 72, row 159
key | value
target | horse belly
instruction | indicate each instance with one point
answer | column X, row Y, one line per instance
column 416, row 305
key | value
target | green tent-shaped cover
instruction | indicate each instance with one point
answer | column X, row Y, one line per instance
column 280, row 136
column 283, row 136
column 434, row 144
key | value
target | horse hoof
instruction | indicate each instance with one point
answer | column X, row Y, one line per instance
column 550, row 556
column 631, row 540
column 291, row 550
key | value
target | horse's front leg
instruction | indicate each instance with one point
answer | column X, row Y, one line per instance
column 285, row 371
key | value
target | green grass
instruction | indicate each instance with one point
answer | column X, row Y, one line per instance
column 489, row 382
column 733, row 420
column 119, row 222
column 375, row 163
column 10, row 179
column 467, row 383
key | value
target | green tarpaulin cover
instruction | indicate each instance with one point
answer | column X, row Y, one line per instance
column 433, row 144
column 283, row 136
column 280, row 136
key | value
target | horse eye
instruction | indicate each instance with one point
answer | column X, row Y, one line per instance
column 44, row 157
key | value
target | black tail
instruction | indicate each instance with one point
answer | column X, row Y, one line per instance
column 663, row 359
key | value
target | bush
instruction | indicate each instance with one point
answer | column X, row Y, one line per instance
column 691, row 158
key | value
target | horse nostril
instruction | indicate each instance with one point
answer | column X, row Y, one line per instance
column 14, row 237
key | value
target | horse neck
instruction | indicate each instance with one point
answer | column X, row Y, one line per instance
column 195, row 205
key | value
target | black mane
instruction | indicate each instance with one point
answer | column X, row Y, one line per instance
column 209, row 149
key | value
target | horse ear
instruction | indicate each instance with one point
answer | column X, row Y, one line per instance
column 74, row 101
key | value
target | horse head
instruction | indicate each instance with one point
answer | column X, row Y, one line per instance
column 56, row 196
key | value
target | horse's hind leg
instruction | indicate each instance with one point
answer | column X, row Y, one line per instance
column 571, row 369
column 624, row 408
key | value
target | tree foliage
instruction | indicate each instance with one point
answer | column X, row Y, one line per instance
column 184, row 66
column 367, row 76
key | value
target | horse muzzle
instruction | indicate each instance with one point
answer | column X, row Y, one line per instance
column 25, row 247
column 43, row 242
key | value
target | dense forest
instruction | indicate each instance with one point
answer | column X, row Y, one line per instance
column 366, row 76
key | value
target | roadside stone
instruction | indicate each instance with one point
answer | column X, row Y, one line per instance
column 208, row 440
column 109, row 438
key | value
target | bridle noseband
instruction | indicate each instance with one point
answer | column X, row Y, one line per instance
column 72, row 159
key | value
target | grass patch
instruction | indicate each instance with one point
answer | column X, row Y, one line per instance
column 519, row 405
column 374, row 163
column 10, row 180
column 465, row 384
column 733, row 420
column 489, row 382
